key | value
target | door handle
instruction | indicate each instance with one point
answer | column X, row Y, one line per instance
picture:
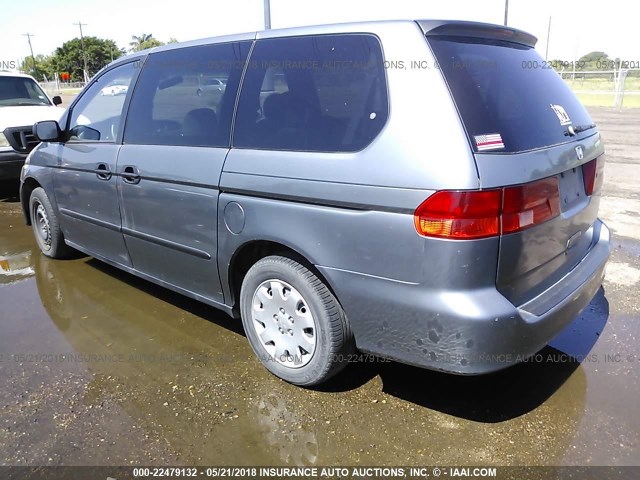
column 103, row 172
column 130, row 174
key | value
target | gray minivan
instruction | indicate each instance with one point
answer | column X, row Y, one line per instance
column 422, row 191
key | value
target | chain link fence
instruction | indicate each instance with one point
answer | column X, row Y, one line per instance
column 56, row 87
column 605, row 88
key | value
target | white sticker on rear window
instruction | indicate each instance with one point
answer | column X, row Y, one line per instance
column 492, row 141
column 562, row 114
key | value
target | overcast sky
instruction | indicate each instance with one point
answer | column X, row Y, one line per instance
column 577, row 27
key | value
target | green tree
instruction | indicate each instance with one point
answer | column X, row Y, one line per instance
column 559, row 65
column 70, row 56
column 152, row 42
column 593, row 61
column 137, row 41
column 144, row 41
column 43, row 67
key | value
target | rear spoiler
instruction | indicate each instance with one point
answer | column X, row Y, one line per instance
column 457, row 28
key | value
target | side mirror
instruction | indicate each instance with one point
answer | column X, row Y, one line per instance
column 47, row 131
column 82, row 132
column 57, row 100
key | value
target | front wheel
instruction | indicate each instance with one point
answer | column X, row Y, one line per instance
column 46, row 227
column 293, row 322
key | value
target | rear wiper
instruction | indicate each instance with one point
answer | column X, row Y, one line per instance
column 571, row 130
column 582, row 128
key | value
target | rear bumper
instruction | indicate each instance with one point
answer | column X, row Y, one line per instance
column 466, row 331
column 10, row 165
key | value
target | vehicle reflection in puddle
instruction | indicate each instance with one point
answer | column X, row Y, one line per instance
column 184, row 372
column 16, row 247
column 14, row 268
column 284, row 432
column 167, row 360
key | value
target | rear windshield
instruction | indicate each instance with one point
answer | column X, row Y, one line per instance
column 507, row 98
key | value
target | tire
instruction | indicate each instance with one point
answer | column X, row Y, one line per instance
column 293, row 322
column 46, row 227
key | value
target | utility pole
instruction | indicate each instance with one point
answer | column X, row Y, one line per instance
column 546, row 53
column 269, row 79
column 506, row 11
column 267, row 14
column 33, row 59
column 84, row 55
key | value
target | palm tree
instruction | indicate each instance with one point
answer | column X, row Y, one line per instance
column 137, row 42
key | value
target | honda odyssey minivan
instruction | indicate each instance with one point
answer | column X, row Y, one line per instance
column 416, row 191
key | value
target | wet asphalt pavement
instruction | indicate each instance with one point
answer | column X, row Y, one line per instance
column 98, row 367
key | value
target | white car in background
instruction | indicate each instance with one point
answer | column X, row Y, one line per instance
column 115, row 89
column 22, row 103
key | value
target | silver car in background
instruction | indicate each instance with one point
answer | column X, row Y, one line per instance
column 407, row 189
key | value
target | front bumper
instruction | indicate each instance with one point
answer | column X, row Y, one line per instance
column 467, row 331
column 10, row 164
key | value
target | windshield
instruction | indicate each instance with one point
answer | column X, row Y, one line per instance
column 20, row 91
column 508, row 99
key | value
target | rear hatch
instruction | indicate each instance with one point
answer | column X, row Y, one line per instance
column 531, row 134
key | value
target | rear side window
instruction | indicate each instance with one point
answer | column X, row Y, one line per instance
column 507, row 101
column 318, row 93
column 186, row 96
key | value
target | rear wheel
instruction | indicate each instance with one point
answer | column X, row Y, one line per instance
column 46, row 228
column 293, row 322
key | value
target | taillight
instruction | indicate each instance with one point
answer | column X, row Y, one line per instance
column 463, row 215
column 530, row 204
column 593, row 175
